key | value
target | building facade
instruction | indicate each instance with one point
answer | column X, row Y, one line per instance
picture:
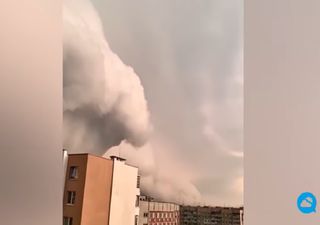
column 100, row 191
column 125, row 194
column 157, row 213
column 196, row 215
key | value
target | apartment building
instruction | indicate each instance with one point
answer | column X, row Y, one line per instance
column 197, row 215
column 100, row 191
column 157, row 213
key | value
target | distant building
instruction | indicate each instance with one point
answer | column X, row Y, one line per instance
column 196, row 215
column 157, row 213
column 100, row 191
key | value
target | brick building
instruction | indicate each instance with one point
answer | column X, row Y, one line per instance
column 157, row 213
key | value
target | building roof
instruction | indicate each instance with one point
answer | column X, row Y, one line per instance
column 113, row 157
column 102, row 157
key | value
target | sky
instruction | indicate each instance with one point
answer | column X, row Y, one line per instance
column 188, row 56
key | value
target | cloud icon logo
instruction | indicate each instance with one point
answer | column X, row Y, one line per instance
column 307, row 203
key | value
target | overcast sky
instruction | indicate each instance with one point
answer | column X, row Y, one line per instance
column 188, row 55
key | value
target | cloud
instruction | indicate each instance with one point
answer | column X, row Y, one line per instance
column 188, row 55
column 103, row 98
column 307, row 203
column 105, row 108
column 162, row 176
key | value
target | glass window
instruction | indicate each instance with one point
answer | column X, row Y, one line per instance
column 137, row 200
column 138, row 181
column 136, row 220
column 67, row 220
column 71, row 197
column 73, row 173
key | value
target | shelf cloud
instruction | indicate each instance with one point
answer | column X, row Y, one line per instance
column 104, row 100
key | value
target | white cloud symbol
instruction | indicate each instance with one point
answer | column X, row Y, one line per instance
column 306, row 203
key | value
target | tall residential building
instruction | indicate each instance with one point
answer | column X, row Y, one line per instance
column 100, row 191
column 195, row 215
column 157, row 213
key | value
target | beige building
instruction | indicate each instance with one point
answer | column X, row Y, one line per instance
column 100, row 191
column 157, row 213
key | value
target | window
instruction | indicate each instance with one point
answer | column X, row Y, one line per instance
column 71, row 197
column 67, row 220
column 137, row 200
column 136, row 220
column 145, row 214
column 138, row 181
column 73, row 173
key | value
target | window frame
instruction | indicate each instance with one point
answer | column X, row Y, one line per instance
column 73, row 173
column 67, row 220
column 71, row 195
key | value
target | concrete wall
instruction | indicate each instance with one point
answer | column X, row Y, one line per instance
column 97, row 191
column 163, row 206
column 144, row 208
column 124, row 192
